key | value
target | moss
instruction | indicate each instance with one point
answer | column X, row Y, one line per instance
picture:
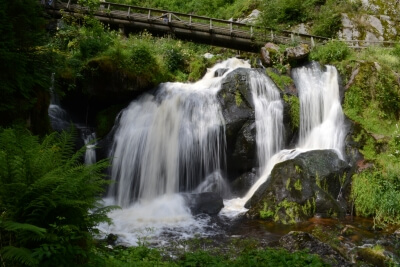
column 289, row 212
column 281, row 81
column 288, row 184
column 266, row 213
column 294, row 110
column 238, row 98
column 374, row 256
column 297, row 185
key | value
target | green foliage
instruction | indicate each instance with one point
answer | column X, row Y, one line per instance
column 331, row 52
column 132, row 256
column 173, row 59
column 223, row 9
column 374, row 97
column 377, row 193
column 48, row 200
column 327, row 23
column 278, row 257
column 244, row 254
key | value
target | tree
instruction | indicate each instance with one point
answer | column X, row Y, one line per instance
column 25, row 66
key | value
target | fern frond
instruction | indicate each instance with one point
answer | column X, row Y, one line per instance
column 16, row 227
column 18, row 256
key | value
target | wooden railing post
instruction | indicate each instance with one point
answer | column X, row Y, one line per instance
column 251, row 31
column 169, row 17
column 129, row 12
column 149, row 15
column 190, row 20
column 210, row 24
column 69, row 2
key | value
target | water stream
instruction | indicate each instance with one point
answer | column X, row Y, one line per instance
column 174, row 141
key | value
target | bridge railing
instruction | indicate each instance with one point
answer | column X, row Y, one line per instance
column 128, row 13
column 190, row 22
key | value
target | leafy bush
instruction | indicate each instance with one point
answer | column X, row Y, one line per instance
column 48, row 200
column 331, row 52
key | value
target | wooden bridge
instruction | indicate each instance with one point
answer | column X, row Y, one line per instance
column 218, row 32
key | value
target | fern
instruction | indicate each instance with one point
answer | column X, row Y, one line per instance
column 18, row 256
column 48, row 199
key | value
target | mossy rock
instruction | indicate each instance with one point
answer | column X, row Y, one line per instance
column 310, row 184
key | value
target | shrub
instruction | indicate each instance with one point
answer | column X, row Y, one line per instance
column 331, row 52
column 377, row 194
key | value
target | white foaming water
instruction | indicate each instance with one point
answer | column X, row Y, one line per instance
column 147, row 220
column 321, row 124
column 165, row 144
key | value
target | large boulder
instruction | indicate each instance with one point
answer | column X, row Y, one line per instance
column 238, row 111
column 296, row 53
column 313, row 183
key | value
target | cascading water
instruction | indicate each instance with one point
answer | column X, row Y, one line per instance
column 269, row 117
column 60, row 121
column 171, row 142
column 321, row 115
column 89, row 140
column 321, row 124
column 269, row 132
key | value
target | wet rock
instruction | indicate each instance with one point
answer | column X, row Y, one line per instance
column 111, row 239
column 296, row 53
column 238, row 111
column 295, row 241
column 208, row 203
column 270, row 54
column 313, row 183
column 243, row 183
column 265, row 56
column 245, row 147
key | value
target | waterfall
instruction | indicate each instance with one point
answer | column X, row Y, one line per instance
column 89, row 138
column 166, row 143
column 321, row 124
column 269, row 117
column 321, row 115
column 170, row 142
column 61, row 121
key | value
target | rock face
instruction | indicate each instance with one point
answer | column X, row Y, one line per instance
column 295, row 241
column 313, row 183
column 368, row 29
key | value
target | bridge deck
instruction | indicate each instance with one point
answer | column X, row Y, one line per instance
column 202, row 29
